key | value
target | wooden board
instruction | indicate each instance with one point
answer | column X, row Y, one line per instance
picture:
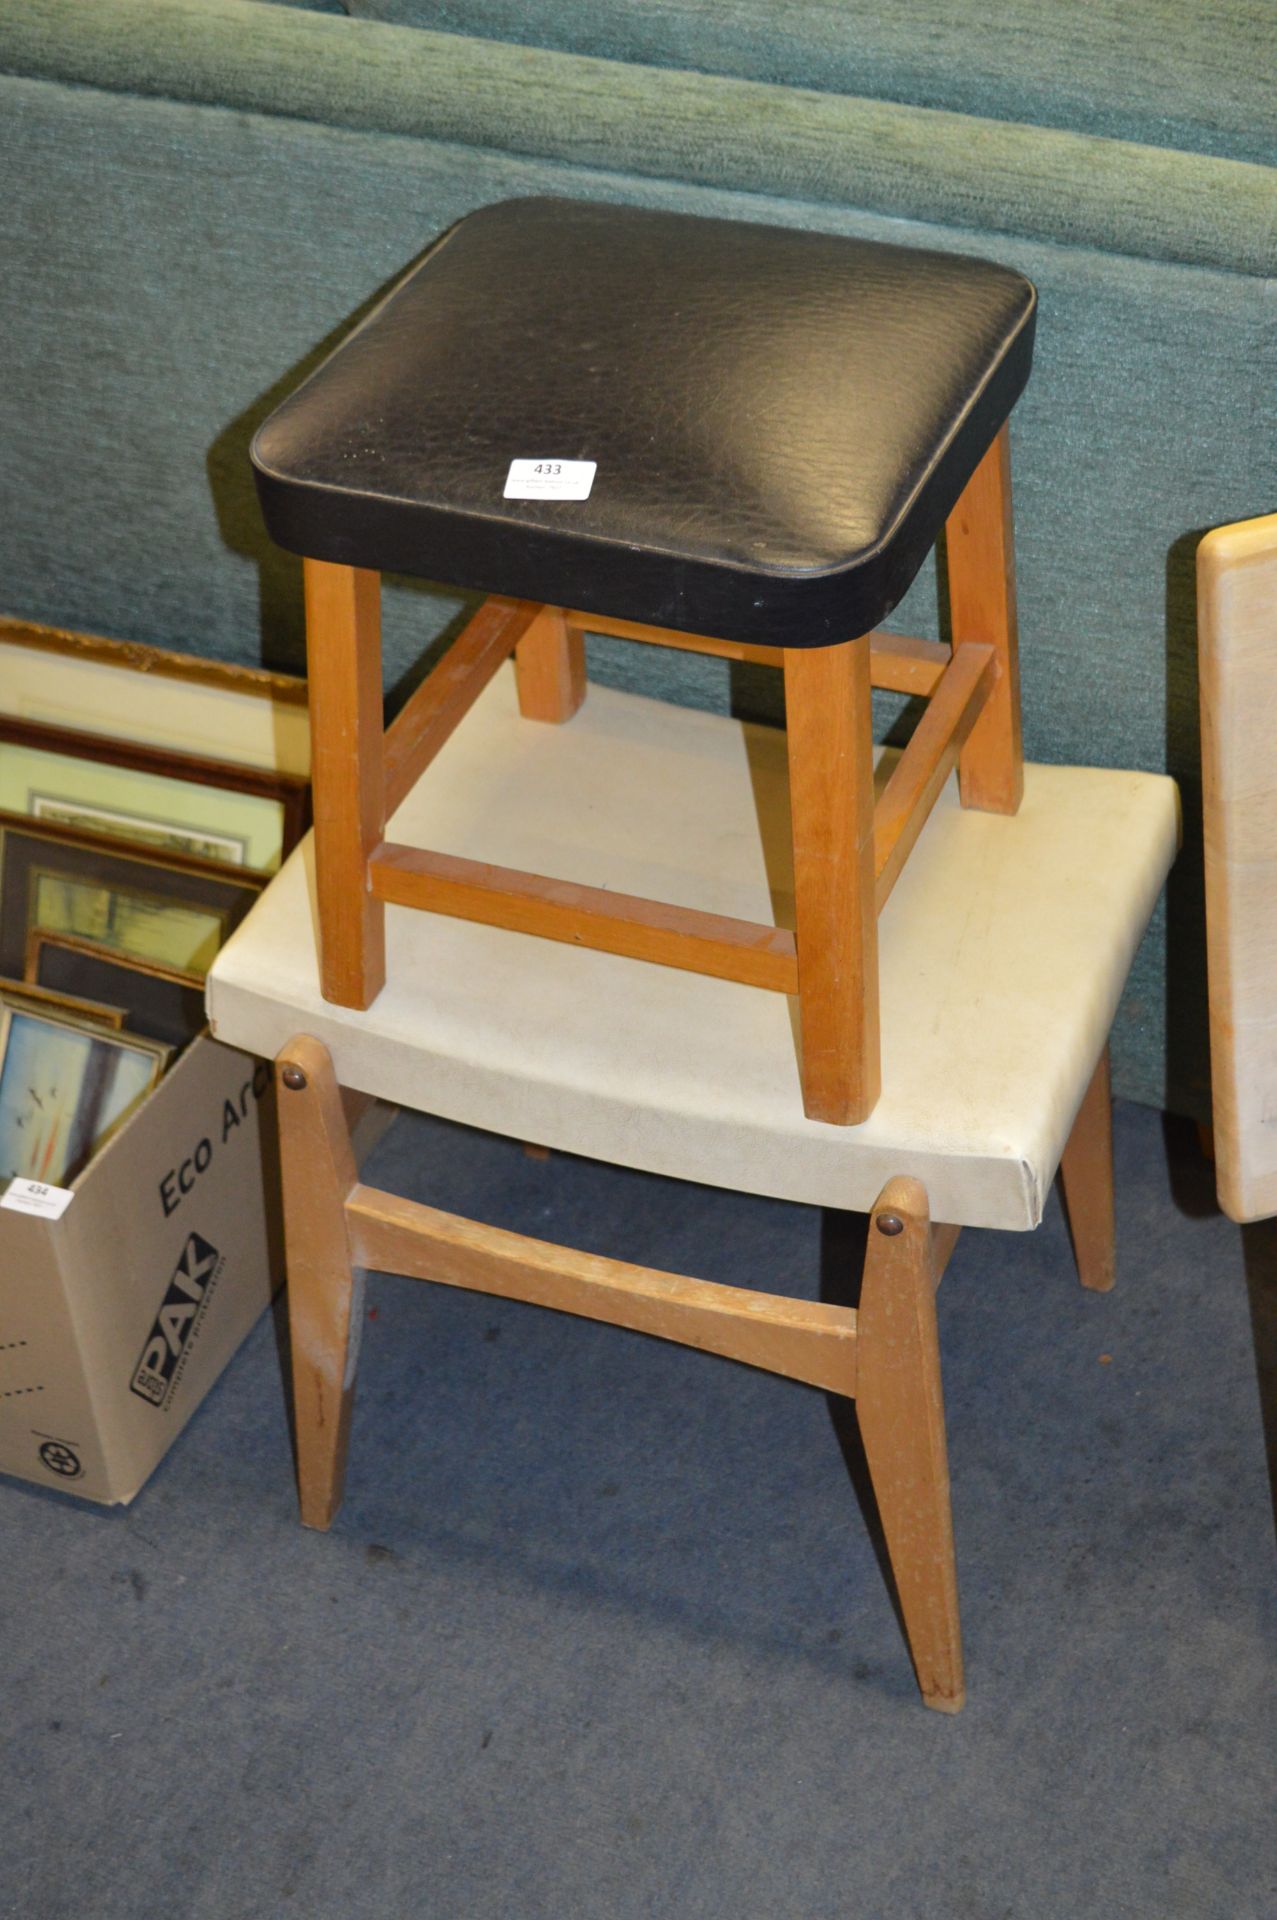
column 1237, row 623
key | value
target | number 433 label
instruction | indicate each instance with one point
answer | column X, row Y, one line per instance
column 550, row 479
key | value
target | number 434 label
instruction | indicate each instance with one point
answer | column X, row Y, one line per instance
column 32, row 1196
column 550, row 479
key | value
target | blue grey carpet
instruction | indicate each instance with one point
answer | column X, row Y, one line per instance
column 600, row 1630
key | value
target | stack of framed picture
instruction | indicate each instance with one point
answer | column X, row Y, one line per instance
column 145, row 800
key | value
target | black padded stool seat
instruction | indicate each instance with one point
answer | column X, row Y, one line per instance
column 781, row 421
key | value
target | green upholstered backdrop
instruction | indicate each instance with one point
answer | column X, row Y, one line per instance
column 1171, row 73
column 199, row 193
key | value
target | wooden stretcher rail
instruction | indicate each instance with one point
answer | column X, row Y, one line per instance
column 897, row 662
column 447, row 694
column 728, row 949
column 928, row 760
column 802, row 1339
column 900, row 664
column 744, row 950
column 670, row 637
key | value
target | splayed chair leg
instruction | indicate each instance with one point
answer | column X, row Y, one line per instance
column 901, row 1413
column 319, row 1172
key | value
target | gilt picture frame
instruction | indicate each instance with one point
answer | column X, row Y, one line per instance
column 49, row 999
column 154, row 696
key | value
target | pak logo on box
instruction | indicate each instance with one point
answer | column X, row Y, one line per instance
column 177, row 1323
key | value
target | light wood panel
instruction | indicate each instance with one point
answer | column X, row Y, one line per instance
column 1237, row 654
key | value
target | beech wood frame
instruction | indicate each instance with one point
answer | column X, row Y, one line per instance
column 848, row 853
column 884, row 1353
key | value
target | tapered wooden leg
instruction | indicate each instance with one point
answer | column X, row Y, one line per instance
column 549, row 664
column 1086, row 1175
column 901, row 1414
column 981, row 562
column 319, row 1171
column 828, row 719
column 343, row 648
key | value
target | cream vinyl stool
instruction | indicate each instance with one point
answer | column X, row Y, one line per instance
column 1005, row 947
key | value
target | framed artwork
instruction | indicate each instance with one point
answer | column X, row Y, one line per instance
column 64, row 1088
column 167, row 1006
column 44, row 999
column 172, row 913
column 174, row 803
column 149, row 695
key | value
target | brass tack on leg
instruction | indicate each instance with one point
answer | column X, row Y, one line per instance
column 888, row 1223
column 293, row 1078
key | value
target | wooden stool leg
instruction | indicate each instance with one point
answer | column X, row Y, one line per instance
column 828, row 719
column 981, row 562
column 343, row 647
column 1086, row 1175
column 901, row 1414
column 319, row 1172
column 549, row 665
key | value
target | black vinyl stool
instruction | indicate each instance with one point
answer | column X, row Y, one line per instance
column 733, row 439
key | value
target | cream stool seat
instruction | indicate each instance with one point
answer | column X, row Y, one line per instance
column 1005, row 946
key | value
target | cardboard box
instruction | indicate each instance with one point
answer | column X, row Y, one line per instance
column 117, row 1317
